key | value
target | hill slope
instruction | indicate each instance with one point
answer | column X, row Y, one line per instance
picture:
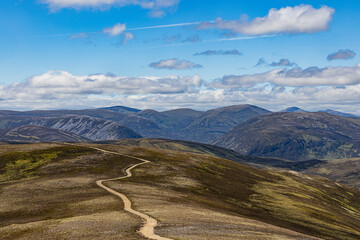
column 295, row 136
column 215, row 122
column 89, row 127
column 28, row 133
column 193, row 196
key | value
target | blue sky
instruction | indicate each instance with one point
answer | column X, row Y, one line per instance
column 52, row 49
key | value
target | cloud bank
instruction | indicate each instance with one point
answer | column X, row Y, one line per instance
column 295, row 77
column 174, row 63
column 288, row 20
column 306, row 88
column 156, row 7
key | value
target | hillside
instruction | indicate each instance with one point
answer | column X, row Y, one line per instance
column 345, row 171
column 213, row 123
column 211, row 150
column 193, row 196
column 28, row 133
column 295, row 136
column 341, row 114
column 96, row 129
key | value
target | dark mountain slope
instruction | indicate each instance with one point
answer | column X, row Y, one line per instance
column 122, row 109
column 295, row 136
column 30, row 133
column 216, row 122
column 160, row 119
column 183, row 116
column 99, row 113
column 144, row 127
column 88, row 127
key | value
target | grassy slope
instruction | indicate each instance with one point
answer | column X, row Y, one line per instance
column 192, row 147
column 60, row 200
column 344, row 171
column 314, row 205
column 64, row 191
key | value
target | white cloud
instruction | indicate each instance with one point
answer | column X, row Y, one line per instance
column 117, row 29
column 62, row 85
column 64, row 90
column 154, row 5
column 293, row 20
column 295, row 77
column 174, row 63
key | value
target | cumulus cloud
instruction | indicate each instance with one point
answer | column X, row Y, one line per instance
column 343, row 54
column 62, row 85
column 156, row 6
column 117, row 29
column 290, row 20
column 282, row 63
column 295, row 77
column 174, row 63
column 219, row 52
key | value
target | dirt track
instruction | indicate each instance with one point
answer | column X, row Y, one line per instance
column 147, row 230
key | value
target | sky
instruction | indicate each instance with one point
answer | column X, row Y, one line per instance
column 165, row 54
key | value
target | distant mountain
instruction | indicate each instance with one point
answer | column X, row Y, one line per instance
column 293, row 109
column 183, row 116
column 160, row 119
column 144, row 127
column 122, row 109
column 29, row 133
column 89, row 127
column 342, row 114
column 295, row 136
column 214, row 123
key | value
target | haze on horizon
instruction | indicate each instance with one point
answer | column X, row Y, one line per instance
column 165, row 54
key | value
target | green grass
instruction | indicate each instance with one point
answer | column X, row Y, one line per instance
column 18, row 165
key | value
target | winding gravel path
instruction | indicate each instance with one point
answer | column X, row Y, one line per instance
column 147, row 230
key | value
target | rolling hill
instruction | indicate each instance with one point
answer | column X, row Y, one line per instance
column 295, row 136
column 193, row 196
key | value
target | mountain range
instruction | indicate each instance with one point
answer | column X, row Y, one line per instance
column 293, row 133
